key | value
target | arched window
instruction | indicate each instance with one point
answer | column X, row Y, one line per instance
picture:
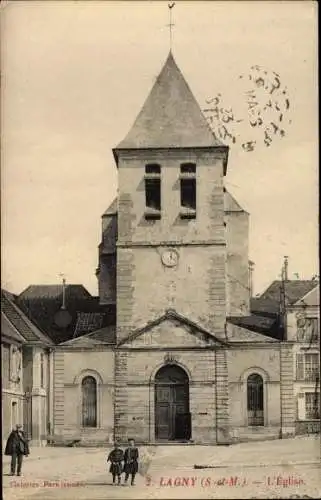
column 89, row 402
column 255, row 400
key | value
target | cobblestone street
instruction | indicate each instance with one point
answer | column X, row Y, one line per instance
column 272, row 469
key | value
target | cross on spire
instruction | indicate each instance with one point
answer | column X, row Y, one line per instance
column 170, row 25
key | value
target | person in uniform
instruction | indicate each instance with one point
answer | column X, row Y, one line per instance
column 131, row 462
column 17, row 447
column 116, row 457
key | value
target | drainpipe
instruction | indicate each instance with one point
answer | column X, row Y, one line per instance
column 281, row 409
column 51, row 392
column 251, row 270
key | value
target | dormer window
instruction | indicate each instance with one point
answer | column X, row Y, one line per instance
column 152, row 191
column 188, row 191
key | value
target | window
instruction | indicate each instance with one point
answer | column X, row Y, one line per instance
column 14, row 414
column 307, row 366
column 153, row 191
column 5, row 363
column 307, row 329
column 42, row 371
column 255, row 409
column 89, row 402
column 188, row 190
column 312, row 405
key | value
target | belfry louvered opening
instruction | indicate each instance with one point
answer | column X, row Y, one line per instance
column 188, row 190
column 152, row 191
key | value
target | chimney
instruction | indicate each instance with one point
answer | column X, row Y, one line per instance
column 286, row 268
column 63, row 305
column 63, row 294
column 251, row 270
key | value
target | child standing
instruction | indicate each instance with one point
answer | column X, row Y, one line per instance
column 116, row 457
column 131, row 462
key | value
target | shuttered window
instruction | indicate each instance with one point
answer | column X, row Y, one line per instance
column 312, row 405
column 300, row 367
column 307, row 366
column 89, row 402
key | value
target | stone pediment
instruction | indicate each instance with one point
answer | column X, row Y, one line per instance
column 236, row 333
column 171, row 330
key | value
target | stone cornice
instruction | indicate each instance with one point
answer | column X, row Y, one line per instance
column 199, row 243
column 208, row 348
column 240, row 346
column 95, row 348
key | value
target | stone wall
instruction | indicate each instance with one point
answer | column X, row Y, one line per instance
column 71, row 366
column 287, row 390
column 195, row 287
column 265, row 361
column 135, row 405
column 237, row 267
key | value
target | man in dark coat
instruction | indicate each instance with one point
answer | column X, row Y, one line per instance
column 131, row 462
column 116, row 457
column 17, row 447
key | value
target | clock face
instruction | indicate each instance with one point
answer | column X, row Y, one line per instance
column 170, row 258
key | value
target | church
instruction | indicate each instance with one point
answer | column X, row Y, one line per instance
column 182, row 359
column 174, row 261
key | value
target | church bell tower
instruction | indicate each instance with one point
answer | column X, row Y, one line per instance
column 171, row 248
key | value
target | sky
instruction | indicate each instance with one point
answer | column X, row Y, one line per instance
column 74, row 77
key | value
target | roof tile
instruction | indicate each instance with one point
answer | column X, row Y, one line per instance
column 20, row 321
column 170, row 117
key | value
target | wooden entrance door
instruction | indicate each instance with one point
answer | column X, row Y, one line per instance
column 172, row 418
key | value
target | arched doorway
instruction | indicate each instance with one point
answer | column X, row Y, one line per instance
column 172, row 416
column 255, row 400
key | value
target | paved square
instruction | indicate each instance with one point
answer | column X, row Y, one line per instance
column 272, row 469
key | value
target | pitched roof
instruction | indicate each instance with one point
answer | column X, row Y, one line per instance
column 249, row 329
column 312, row 298
column 261, row 306
column 44, row 311
column 171, row 314
column 53, row 291
column 8, row 330
column 258, row 324
column 20, row 321
column 88, row 322
column 230, row 203
column 294, row 290
column 112, row 209
column 170, row 117
column 106, row 335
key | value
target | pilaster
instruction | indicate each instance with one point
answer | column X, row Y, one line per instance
column 222, row 398
column 287, row 390
column 59, row 398
column 120, row 397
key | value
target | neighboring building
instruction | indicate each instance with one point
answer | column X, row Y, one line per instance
column 302, row 327
column 26, row 354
